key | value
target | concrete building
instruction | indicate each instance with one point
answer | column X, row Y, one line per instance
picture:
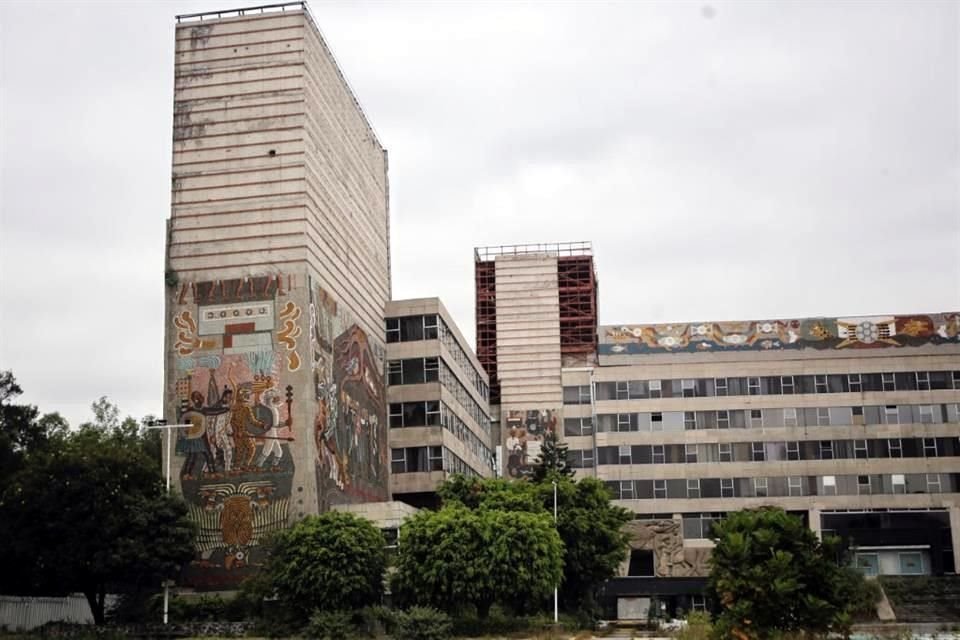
column 438, row 402
column 851, row 423
column 277, row 273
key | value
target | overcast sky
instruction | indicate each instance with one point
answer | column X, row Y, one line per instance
column 728, row 161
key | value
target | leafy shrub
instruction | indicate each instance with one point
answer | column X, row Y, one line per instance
column 377, row 621
column 698, row 627
column 422, row 623
column 330, row 625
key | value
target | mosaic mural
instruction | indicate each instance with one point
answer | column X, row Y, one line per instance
column 524, row 432
column 233, row 344
column 350, row 427
column 758, row 335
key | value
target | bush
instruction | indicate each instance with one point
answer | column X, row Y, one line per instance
column 377, row 621
column 422, row 623
column 330, row 625
column 698, row 627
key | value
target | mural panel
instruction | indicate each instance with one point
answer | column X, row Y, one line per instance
column 759, row 335
column 350, row 426
column 235, row 345
column 524, row 431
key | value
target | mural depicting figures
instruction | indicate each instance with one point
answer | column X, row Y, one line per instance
column 806, row 333
column 524, row 432
column 235, row 343
column 350, row 425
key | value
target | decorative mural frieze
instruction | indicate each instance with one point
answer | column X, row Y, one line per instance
column 665, row 539
column 761, row 335
column 524, row 431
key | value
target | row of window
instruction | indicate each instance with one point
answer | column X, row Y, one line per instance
column 436, row 413
column 769, row 418
column 433, row 369
column 784, row 486
column 880, row 448
column 424, row 459
column 432, row 327
column 764, row 385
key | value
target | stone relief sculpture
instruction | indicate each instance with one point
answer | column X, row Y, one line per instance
column 665, row 539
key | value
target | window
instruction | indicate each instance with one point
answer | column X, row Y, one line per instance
column 790, row 417
column 690, row 452
column 863, row 485
column 435, row 458
column 720, row 386
column 923, row 380
column 826, row 450
column 860, row 449
column 623, row 422
column 587, row 458
column 895, row 447
column 795, row 486
column 658, row 454
column 430, row 327
column 933, row 483
column 431, row 369
column 756, row 418
column 659, row 489
column 753, row 386
column 433, row 412
column 820, row 384
column 723, row 419
column 693, row 488
column 398, row 460
column 726, row 452
column 899, row 482
column 655, row 389
column 930, row 447
column 757, row 453
column 726, row 488
column 688, row 388
column 891, row 415
column 690, row 420
column 823, row 417
column 857, row 411
column 760, row 487
column 926, row 414
column 393, row 329
column 624, row 454
column 626, row 489
column 956, row 379
column 868, row 563
column 911, row 563
column 854, row 382
column 888, row 381
column 656, row 421
column 829, row 485
column 623, row 390
column 396, row 415
column 576, row 394
column 786, row 385
column 698, row 602
column 793, row 450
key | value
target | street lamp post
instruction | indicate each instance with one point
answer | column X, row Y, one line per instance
column 162, row 424
column 556, row 608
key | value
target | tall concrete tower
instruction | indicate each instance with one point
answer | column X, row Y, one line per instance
column 278, row 269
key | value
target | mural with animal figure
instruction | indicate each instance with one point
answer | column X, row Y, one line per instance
column 235, row 345
column 350, row 425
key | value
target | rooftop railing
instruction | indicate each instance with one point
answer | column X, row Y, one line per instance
column 582, row 248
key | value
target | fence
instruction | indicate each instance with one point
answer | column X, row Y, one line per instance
column 21, row 613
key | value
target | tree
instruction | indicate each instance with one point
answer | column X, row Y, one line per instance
column 89, row 513
column 590, row 526
column 457, row 556
column 770, row 573
column 22, row 429
column 554, row 459
column 331, row 562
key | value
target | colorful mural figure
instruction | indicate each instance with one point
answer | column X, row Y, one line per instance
column 237, row 473
column 525, row 431
column 807, row 333
column 350, row 426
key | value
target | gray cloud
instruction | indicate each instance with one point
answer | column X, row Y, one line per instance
column 744, row 160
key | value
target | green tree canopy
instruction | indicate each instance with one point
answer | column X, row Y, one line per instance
column 554, row 459
column 330, row 562
column 770, row 573
column 87, row 511
column 590, row 527
column 456, row 557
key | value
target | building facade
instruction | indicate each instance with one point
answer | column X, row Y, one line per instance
column 438, row 402
column 853, row 424
column 277, row 273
